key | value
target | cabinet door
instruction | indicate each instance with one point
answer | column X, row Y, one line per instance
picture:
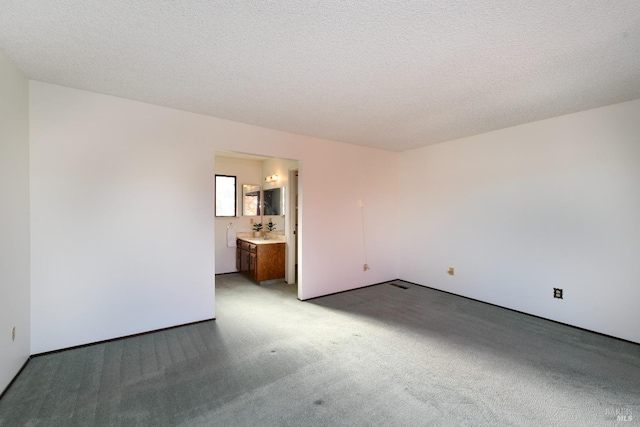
column 252, row 266
column 238, row 256
column 244, row 261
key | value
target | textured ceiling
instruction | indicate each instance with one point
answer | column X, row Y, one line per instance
column 388, row 74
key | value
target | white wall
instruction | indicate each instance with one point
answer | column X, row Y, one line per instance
column 522, row 210
column 122, row 207
column 14, row 220
column 122, row 213
column 281, row 168
column 122, row 228
column 247, row 172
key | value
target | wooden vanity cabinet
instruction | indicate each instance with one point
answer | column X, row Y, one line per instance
column 260, row 262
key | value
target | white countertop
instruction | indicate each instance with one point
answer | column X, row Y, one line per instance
column 260, row 240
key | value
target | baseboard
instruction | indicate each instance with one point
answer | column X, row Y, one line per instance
column 15, row 377
column 121, row 338
column 96, row 343
column 483, row 302
column 523, row 312
column 348, row 290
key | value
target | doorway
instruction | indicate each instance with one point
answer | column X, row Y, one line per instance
column 267, row 174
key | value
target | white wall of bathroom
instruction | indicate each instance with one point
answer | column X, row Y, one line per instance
column 520, row 211
column 247, row 172
column 14, row 220
column 281, row 168
column 122, row 213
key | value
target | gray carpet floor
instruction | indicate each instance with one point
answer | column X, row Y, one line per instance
column 378, row 356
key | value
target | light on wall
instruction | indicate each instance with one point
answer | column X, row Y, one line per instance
column 272, row 178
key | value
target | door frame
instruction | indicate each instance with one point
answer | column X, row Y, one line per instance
column 292, row 236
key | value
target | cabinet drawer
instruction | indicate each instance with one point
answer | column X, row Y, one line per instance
column 246, row 246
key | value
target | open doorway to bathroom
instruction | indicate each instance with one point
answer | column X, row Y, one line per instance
column 260, row 178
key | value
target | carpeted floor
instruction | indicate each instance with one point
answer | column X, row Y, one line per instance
column 382, row 356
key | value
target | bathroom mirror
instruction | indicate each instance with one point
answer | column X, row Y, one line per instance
column 274, row 201
column 250, row 200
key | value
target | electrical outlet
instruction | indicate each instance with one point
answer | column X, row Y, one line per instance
column 365, row 267
column 557, row 293
column 451, row 271
column 13, row 334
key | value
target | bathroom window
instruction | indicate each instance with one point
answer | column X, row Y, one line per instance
column 226, row 195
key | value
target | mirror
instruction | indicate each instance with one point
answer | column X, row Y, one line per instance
column 250, row 200
column 274, row 201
